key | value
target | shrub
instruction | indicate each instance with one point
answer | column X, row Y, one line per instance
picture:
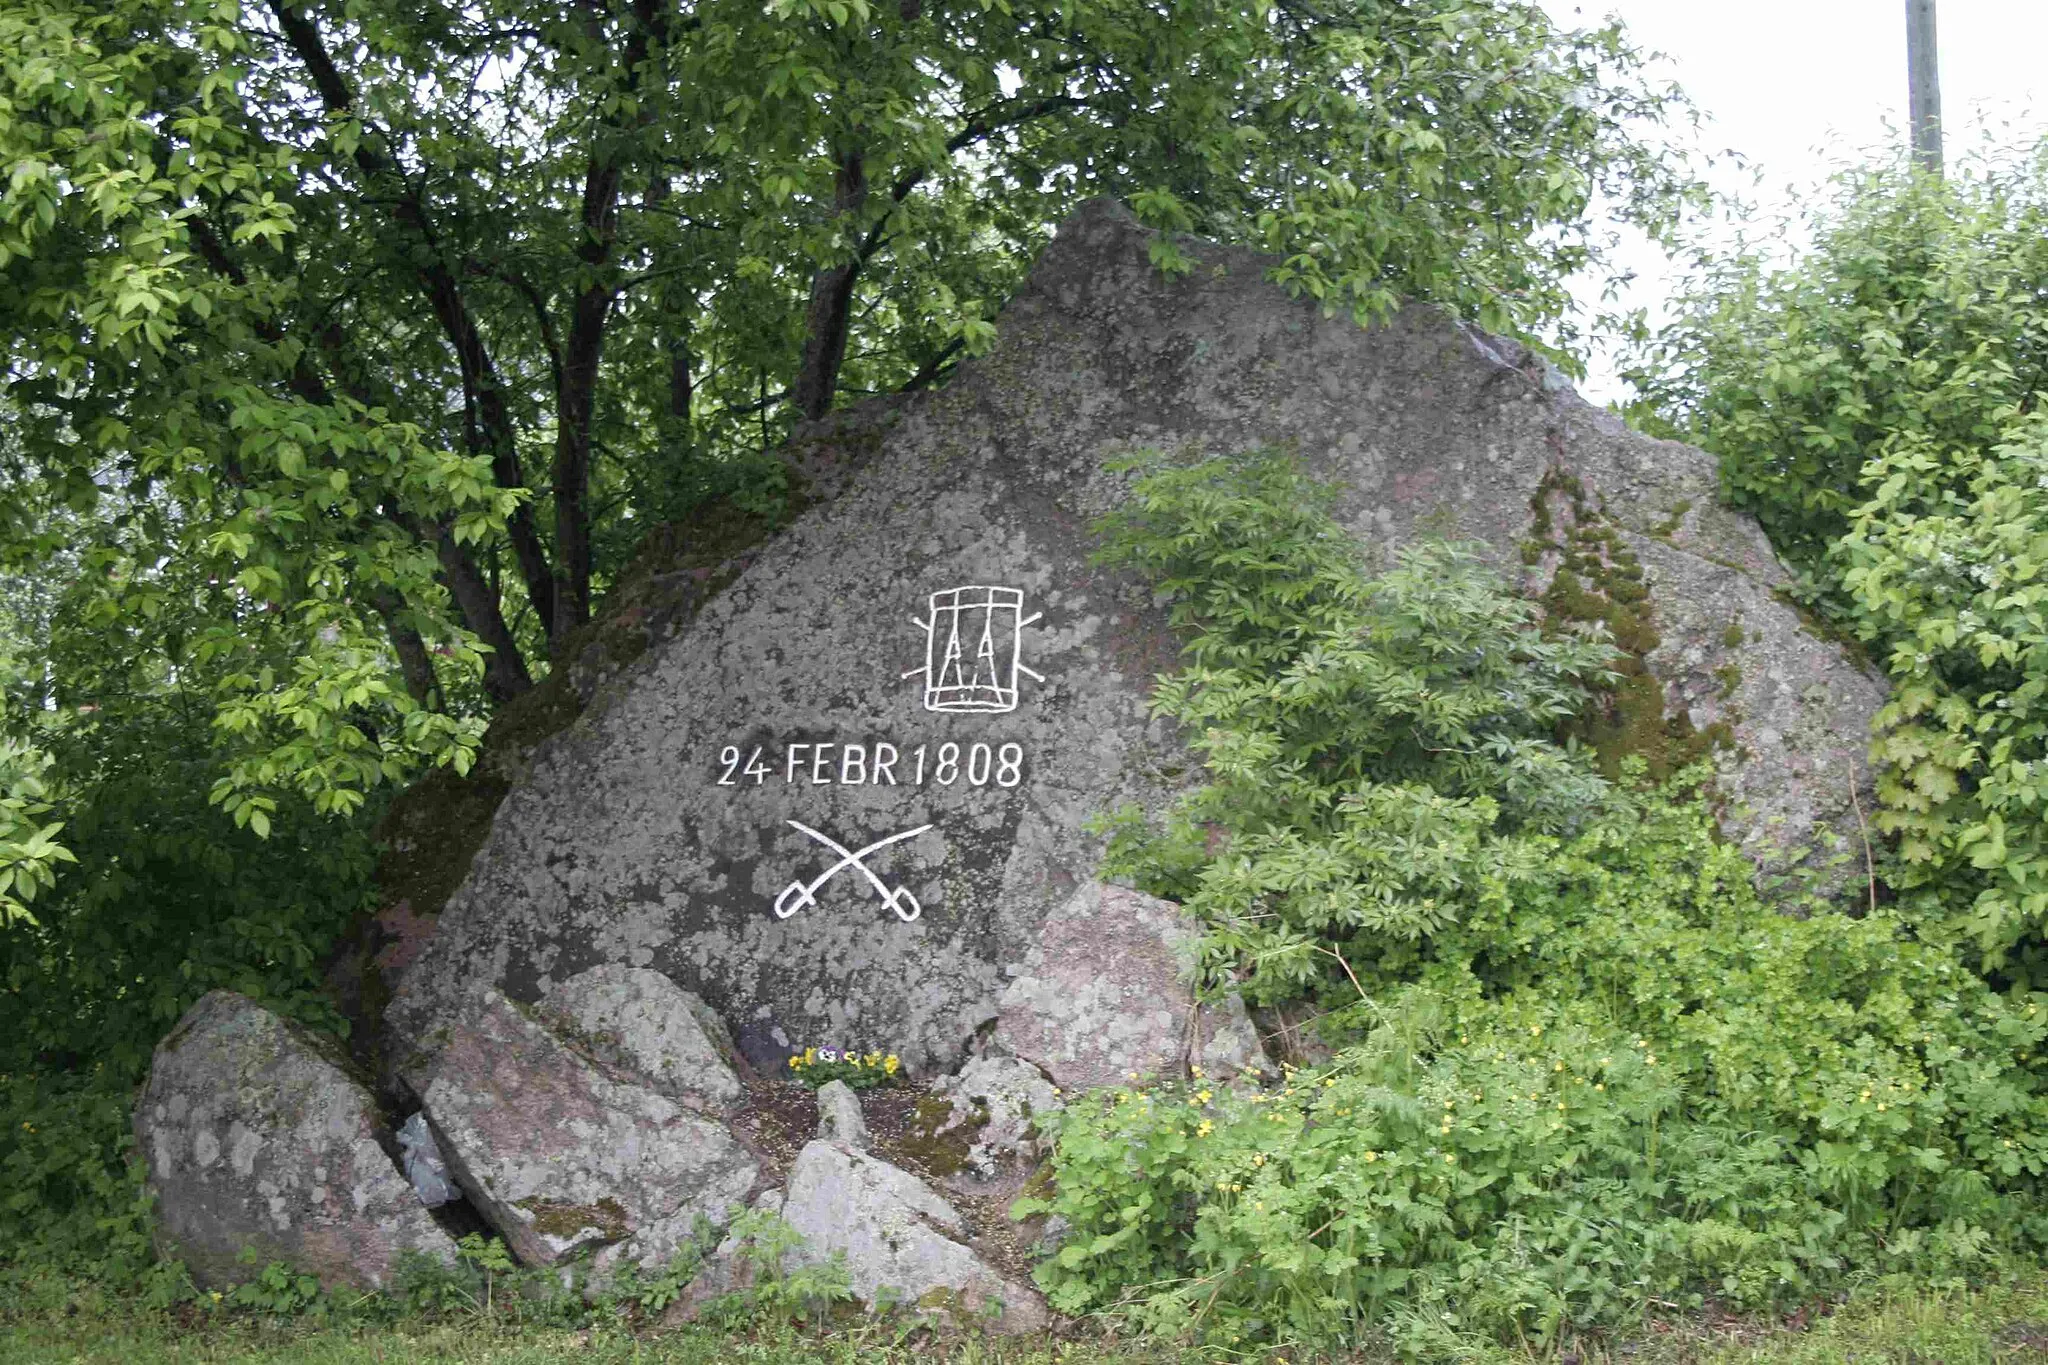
column 1599, row 1071
column 1876, row 403
column 168, row 900
column 1914, row 319
column 1953, row 582
column 1378, row 748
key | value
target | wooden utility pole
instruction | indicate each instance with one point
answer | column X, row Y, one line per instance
column 1923, row 75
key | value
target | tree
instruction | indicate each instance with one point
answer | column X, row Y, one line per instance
column 1878, row 401
column 362, row 338
column 1914, row 315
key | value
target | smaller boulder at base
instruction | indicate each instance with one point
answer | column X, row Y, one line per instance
column 255, row 1142
column 563, row 1159
column 1105, row 997
column 1002, row 1102
column 643, row 1023
column 898, row 1235
column 839, row 1116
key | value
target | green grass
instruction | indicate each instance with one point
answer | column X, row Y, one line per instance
column 2003, row 1324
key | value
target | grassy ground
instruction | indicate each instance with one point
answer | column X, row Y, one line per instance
column 2001, row 1325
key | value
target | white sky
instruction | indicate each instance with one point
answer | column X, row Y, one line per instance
column 1795, row 84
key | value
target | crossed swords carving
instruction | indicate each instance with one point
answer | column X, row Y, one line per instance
column 800, row 893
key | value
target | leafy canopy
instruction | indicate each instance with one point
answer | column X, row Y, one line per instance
column 1913, row 319
column 381, row 332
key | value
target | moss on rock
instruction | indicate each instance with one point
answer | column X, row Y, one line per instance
column 1599, row 581
column 564, row 1221
column 931, row 1144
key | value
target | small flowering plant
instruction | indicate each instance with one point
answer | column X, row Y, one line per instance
column 815, row 1066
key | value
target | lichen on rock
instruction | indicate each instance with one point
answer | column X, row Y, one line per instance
column 644, row 1024
column 256, row 1141
column 1106, row 996
column 564, row 1160
column 899, row 1237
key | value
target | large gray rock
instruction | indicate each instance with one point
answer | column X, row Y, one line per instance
column 899, row 1236
column 563, row 1159
column 643, row 1023
column 253, row 1140
column 682, row 823
column 1105, row 997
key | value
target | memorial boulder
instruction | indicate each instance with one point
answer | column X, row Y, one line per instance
column 841, row 802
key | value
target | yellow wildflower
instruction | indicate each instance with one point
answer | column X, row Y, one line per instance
column 890, row 1063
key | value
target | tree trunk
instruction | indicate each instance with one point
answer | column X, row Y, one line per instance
column 505, row 675
column 583, row 350
column 827, row 320
column 680, row 385
column 414, row 662
column 575, row 404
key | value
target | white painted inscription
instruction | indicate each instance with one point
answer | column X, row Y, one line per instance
column 827, row 763
column 800, row 893
column 974, row 649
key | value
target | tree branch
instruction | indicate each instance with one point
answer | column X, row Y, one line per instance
column 504, row 678
column 929, row 372
column 480, row 378
column 827, row 323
